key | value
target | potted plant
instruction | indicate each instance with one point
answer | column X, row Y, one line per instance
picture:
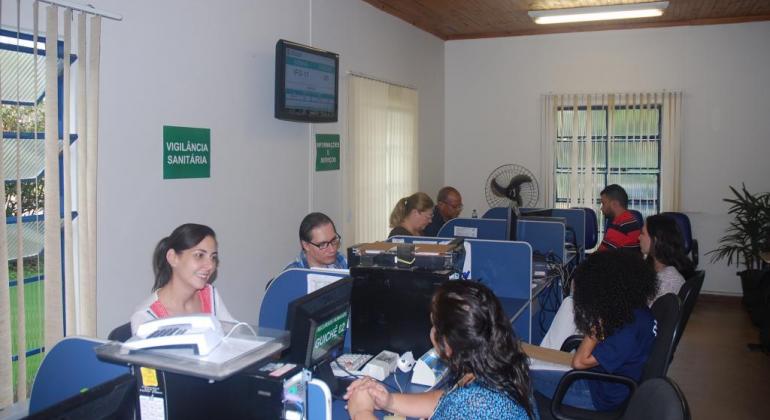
column 747, row 237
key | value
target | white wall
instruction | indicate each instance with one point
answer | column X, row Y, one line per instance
column 211, row 64
column 493, row 97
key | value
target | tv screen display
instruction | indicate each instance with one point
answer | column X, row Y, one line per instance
column 306, row 83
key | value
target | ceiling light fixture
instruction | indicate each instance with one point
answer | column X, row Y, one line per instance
column 587, row 14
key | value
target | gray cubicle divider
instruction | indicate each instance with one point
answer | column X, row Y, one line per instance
column 492, row 229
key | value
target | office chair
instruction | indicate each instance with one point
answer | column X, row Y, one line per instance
column 667, row 310
column 660, row 399
column 689, row 294
column 690, row 244
column 121, row 333
column 591, row 227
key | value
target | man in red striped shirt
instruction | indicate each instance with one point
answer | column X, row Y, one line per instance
column 623, row 229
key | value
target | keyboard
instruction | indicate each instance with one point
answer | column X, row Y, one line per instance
column 351, row 362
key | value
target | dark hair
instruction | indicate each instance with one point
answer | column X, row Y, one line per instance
column 667, row 244
column 444, row 192
column 609, row 286
column 616, row 192
column 312, row 221
column 469, row 318
column 182, row 238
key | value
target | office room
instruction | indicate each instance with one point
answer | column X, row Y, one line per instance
column 480, row 105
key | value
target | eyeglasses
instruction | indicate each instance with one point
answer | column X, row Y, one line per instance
column 323, row 245
column 457, row 207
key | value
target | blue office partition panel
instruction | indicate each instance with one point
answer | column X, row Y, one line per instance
column 544, row 237
column 497, row 213
column 288, row 286
column 492, row 229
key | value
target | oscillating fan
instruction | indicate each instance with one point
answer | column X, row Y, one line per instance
column 512, row 186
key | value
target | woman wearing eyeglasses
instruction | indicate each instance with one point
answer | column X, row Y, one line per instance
column 320, row 242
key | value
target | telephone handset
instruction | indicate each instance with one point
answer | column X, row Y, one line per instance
column 201, row 332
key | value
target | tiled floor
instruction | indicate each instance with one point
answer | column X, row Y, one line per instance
column 719, row 376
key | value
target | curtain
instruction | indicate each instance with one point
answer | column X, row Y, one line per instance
column 635, row 143
column 381, row 156
column 66, row 244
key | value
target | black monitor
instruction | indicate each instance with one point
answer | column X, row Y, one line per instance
column 318, row 322
column 306, row 83
column 114, row 399
column 390, row 309
column 537, row 213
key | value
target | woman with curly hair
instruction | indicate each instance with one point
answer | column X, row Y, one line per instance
column 611, row 291
column 661, row 243
column 487, row 368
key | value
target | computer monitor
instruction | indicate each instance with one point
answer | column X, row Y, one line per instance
column 390, row 309
column 318, row 322
column 114, row 399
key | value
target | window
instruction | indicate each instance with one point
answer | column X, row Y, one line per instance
column 23, row 115
column 625, row 150
column 381, row 156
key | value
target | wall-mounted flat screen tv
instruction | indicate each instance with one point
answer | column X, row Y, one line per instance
column 306, row 83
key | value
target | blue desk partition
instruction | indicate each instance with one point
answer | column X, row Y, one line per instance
column 493, row 229
column 288, row 286
column 506, row 268
column 67, row 369
column 497, row 213
column 545, row 237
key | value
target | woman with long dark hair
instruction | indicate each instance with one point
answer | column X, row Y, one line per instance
column 663, row 247
column 185, row 264
column 489, row 373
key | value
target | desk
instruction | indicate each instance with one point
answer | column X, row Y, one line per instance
column 404, row 379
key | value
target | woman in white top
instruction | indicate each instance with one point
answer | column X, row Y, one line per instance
column 185, row 264
column 663, row 247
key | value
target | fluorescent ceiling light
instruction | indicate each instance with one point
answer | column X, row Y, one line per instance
column 586, row 14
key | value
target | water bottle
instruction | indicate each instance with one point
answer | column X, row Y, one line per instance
column 474, row 215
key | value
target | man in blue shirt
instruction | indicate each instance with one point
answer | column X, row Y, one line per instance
column 320, row 243
column 449, row 205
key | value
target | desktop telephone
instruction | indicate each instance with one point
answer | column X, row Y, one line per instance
column 202, row 333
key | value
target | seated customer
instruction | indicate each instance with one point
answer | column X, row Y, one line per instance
column 661, row 243
column 411, row 214
column 622, row 231
column 611, row 291
column 488, row 370
column 449, row 205
column 320, row 243
column 185, row 264
column 663, row 247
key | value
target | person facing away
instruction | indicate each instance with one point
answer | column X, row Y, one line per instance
column 185, row 264
column 449, row 205
column 320, row 244
column 611, row 292
column 663, row 248
column 622, row 229
column 411, row 215
column 488, row 371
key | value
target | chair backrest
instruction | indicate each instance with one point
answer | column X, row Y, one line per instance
column 591, row 227
column 690, row 244
column 660, row 399
column 694, row 284
column 121, row 333
column 69, row 367
column 667, row 310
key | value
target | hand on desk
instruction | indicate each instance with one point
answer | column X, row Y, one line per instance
column 366, row 395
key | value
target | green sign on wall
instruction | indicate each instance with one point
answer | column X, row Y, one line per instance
column 327, row 152
column 186, row 152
